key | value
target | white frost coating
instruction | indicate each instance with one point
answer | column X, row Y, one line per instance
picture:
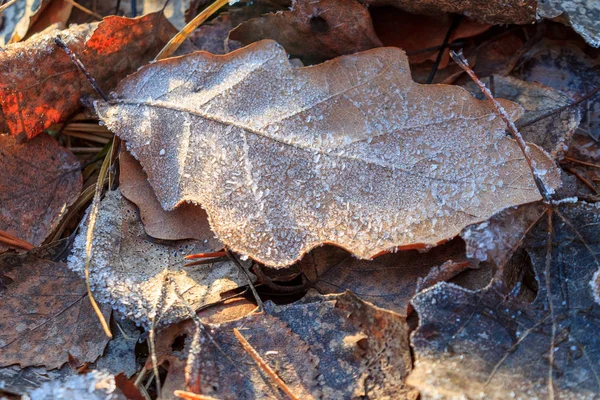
column 565, row 200
column 595, row 284
column 95, row 385
column 350, row 152
column 584, row 16
column 138, row 276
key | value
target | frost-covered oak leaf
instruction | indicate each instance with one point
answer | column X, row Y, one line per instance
column 351, row 152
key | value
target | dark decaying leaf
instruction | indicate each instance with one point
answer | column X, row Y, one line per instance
column 551, row 133
column 564, row 66
column 333, row 347
column 38, row 181
column 188, row 221
column 481, row 344
column 45, row 314
column 350, row 152
column 144, row 278
column 314, row 30
column 391, row 280
column 582, row 15
column 39, row 85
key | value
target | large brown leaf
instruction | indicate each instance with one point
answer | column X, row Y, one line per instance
column 39, row 85
column 39, row 180
column 484, row 344
column 350, row 152
column 45, row 314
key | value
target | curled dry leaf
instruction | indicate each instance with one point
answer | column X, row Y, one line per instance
column 332, row 347
column 188, row 221
column 39, row 85
column 582, row 15
column 18, row 18
column 39, row 180
column 314, row 30
column 564, row 66
column 489, row 12
column 479, row 344
column 390, row 281
column 46, row 314
column 551, row 133
column 143, row 278
column 350, row 152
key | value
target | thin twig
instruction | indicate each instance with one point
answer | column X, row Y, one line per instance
column 85, row 10
column 259, row 302
column 192, row 396
column 462, row 62
column 263, row 365
column 59, row 42
column 180, row 37
column 455, row 21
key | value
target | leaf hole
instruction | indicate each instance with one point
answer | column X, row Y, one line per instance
column 179, row 343
column 319, row 24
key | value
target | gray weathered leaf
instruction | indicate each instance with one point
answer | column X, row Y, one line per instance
column 350, row 152
column 582, row 15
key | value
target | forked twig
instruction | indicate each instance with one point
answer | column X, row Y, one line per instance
column 263, row 365
column 462, row 62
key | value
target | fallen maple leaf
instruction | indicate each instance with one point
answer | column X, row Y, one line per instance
column 188, row 221
column 39, row 180
column 144, row 278
column 481, row 344
column 39, row 85
column 314, row 30
column 350, row 152
column 45, row 314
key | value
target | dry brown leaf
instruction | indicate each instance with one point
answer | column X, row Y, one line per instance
column 314, row 30
column 39, row 180
column 416, row 33
column 564, row 66
column 331, row 347
column 187, row 221
column 212, row 35
column 552, row 133
column 490, row 12
column 350, row 152
column 144, row 278
column 582, row 15
column 485, row 345
column 39, row 85
column 45, row 314
column 390, row 281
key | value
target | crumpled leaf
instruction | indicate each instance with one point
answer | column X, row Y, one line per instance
column 18, row 18
column 551, row 133
column 350, row 152
column 143, row 278
column 20, row 381
column 332, row 347
column 95, row 385
column 564, row 66
column 44, row 86
column 45, row 314
column 188, row 221
column 483, row 345
column 489, row 12
column 39, row 180
column 390, row 281
column 582, row 15
column 314, row 30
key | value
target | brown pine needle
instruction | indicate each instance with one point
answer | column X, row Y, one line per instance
column 192, row 396
column 187, row 30
column 262, row 365
column 582, row 162
column 12, row 240
column 207, row 255
column 582, row 179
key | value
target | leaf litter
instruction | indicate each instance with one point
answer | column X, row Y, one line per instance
column 529, row 285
